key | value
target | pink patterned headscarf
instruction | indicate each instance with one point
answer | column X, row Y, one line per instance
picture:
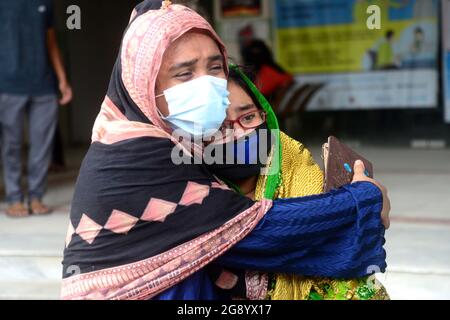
column 144, row 44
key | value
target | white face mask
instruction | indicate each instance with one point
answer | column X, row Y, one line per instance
column 199, row 106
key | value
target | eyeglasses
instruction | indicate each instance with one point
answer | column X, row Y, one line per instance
column 249, row 120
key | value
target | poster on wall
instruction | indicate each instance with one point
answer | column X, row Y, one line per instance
column 446, row 57
column 329, row 43
column 237, row 21
column 241, row 8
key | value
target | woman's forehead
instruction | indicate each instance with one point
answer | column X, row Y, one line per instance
column 240, row 101
column 190, row 46
column 237, row 92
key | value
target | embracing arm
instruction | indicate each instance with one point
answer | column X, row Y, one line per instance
column 338, row 234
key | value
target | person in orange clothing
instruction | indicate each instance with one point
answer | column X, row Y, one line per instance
column 270, row 78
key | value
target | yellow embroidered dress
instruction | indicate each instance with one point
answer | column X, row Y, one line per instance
column 301, row 176
column 294, row 173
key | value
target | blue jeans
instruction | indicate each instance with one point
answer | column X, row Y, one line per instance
column 42, row 112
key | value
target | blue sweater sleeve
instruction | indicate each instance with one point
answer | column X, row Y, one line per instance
column 337, row 234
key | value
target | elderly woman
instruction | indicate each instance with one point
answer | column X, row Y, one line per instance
column 143, row 226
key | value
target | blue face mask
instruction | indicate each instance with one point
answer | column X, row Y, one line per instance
column 249, row 154
column 198, row 107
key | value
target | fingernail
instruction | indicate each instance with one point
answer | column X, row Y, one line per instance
column 347, row 168
column 358, row 162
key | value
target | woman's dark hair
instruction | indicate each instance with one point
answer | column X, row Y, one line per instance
column 149, row 5
column 258, row 54
column 390, row 34
column 236, row 78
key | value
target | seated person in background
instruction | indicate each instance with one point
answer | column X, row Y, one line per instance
column 270, row 77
